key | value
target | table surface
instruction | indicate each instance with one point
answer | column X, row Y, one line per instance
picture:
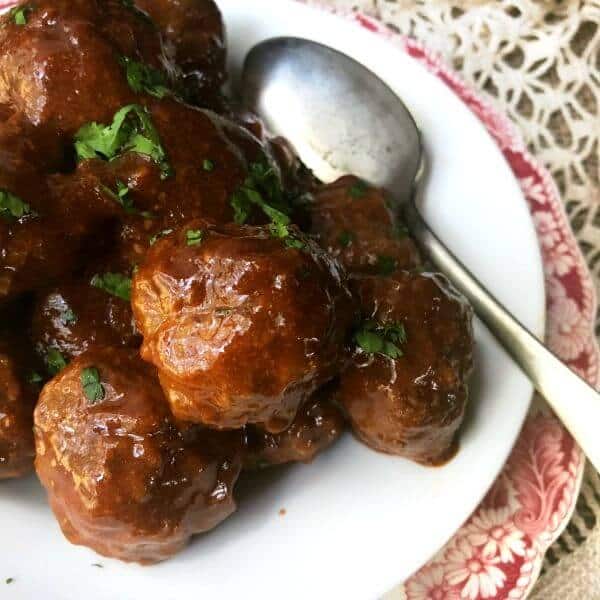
column 536, row 61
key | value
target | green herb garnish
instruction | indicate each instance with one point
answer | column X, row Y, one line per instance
column 92, row 388
column 386, row 265
column 19, row 14
column 401, row 231
column 9, row 580
column 261, row 188
column 208, row 165
column 346, row 238
column 358, row 190
column 34, row 378
column 193, row 237
column 120, row 196
column 375, row 338
column 12, row 207
column 55, row 361
column 67, row 317
column 132, row 130
column 116, row 284
column 159, row 235
column 144, row 78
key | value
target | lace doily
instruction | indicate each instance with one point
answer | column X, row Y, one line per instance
column 539, row 61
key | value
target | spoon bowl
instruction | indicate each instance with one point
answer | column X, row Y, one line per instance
column 339, row 134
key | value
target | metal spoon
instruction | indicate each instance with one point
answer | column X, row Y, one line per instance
column 343, row 119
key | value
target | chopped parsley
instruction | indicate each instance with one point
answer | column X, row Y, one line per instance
column 358, row 190
column 67, row 317
column 159, row 235
column 193, row 237
column 55, row 361
column 376, row 338
column 208, row 165
column 386, row 265
column 19, row 14
column 121, row 196
column 116, row 284
column 98, row 565
column 12, row 207
column 401, row 231
column 346, row 238
column 92, row 388
column 144, row 78
column 34, row 378
column 132, row 130
column 9, row 580
column 261, row 188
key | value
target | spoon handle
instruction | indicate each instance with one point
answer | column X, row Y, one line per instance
column 575, row 402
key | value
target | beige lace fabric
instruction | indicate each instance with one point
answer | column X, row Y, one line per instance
column 539, row 61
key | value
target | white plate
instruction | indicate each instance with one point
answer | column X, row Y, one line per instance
column 356, row 522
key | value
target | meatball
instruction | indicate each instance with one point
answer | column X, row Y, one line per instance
column 18, row 393
column 195, row 37
column 121, row 477
column 44, row 222
column 318, row 424
column 73, row 317
column 207, row 159
column 406, row 389
column 242, row 326
column 353, row 222
column 54, row 64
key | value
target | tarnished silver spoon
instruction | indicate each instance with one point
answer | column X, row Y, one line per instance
column 343, row 119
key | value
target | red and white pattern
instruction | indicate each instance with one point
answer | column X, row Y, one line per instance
column 498, row 553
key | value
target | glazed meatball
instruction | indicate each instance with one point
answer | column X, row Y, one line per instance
column 406, row 390
column 61, row 65
column 18, row 393
column 207, row 160
column 242, row 326
column 353, row 222
column 318, row 424
column 121, row 477
column 195, row 38
column 73, row 317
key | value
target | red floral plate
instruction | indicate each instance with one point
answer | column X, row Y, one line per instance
column 498, row 553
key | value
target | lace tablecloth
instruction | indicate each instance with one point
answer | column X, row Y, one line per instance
column 539, row 61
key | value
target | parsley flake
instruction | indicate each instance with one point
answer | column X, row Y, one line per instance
column 67, row 317
column 55, row 361
column 144, row 78
column 12, row 207
column 358, row 190
column 9, row 580
column 261, row 188
column 92, row 388
column 19, row 14
column 208, row 165
column 34, row 378
column 386, row 265
column 401, row 231
column 375, row 338
column 120, row 196
column 116, row 284
column 193, row 237
column 132, row 130
column 159, row 235
column 346, row 238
